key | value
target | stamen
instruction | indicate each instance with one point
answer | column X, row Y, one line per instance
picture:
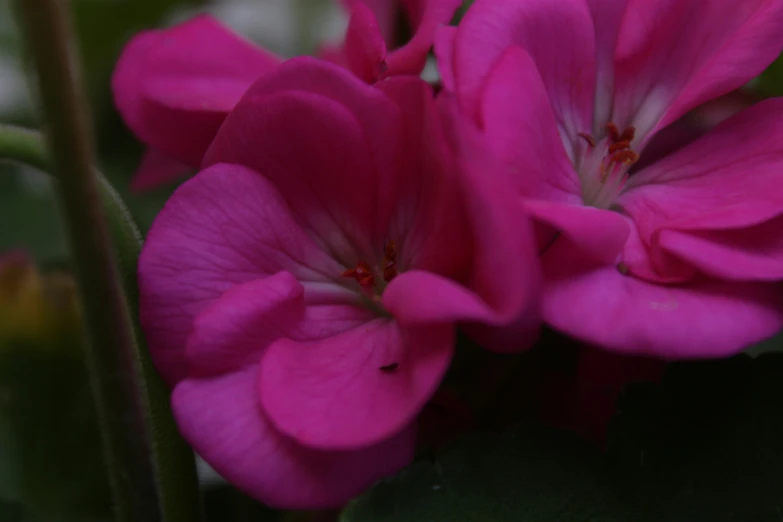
column 390, row 261
column 628, row 134
column 619, row 145
column 626, row 157
column 589, row 139
column 367, row 275
column 613, row 131
column 603, row 170
column 623, row 268
column 362, row 274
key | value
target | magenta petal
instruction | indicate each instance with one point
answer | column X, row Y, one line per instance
column 330, row 188
column 729, row 175
column 174, row 87
column 356, row 388
column 747, row 254
column 505, row 273
column 411, row 58
column 236, row 329
column 353, row 137
column 370, row 107
column 225, row 226
column 607, row 19
column 520, row 126
column 598, row 233
column 365, row 50
column 426, row 207
column 384, row 12
column 723, row 188
column 599, row 305
column 559, row 37
column 129, row 74
column 157, row 169
column 719, row 46
column 416, row 297
column 223, row 421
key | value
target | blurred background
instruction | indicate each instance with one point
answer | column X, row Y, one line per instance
column 286, row 27
column 50, row 462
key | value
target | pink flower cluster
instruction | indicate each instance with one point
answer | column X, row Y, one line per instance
column 301, row 292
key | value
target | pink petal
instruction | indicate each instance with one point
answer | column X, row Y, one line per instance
column 504, row 283
column 444, row 52
column 557, row 35
column 371, row 108
column 223, row 421
column 426, row 206
column 228, row 225
column 129, row 74
column 174, row 87
column 415, row 10
column 365, row 50
column 706, row 318
column 385, row 13
column 607, row 19
column 719, row 46
column 748, row 254
column 722, row 188
column 520, row 126
column 330, row 187
column 653, row 264
column 418, row 297
column 352, row 135
column 334, row 53
column 598, row 233
column 157, row 169
column 411, row 58
column 356, row 388
column 235, row 329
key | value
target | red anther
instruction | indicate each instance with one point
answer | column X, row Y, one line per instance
column 614, row 132
column 361, row 274
column 628, row 134
column 390, row 261
column 589, row 139
column 619, row 145
column 390, row 252
column 389, row 271
column 626, row 156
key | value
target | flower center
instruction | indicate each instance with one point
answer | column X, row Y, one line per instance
column 373, row 279
column 603, row 167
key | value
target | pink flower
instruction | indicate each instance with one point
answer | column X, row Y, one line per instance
column 301, row 291
column 680, row 258
column 174, row 87
column 371, row 31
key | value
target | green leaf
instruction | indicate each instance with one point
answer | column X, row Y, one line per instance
column 770, row 82
column 175, row 477
column 50, row 454
column 707, row 444
column 26, row 201
column 224, row 503
column 529, row 474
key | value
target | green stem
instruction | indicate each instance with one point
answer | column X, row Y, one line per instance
column 151, row 470
column 172, row 458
